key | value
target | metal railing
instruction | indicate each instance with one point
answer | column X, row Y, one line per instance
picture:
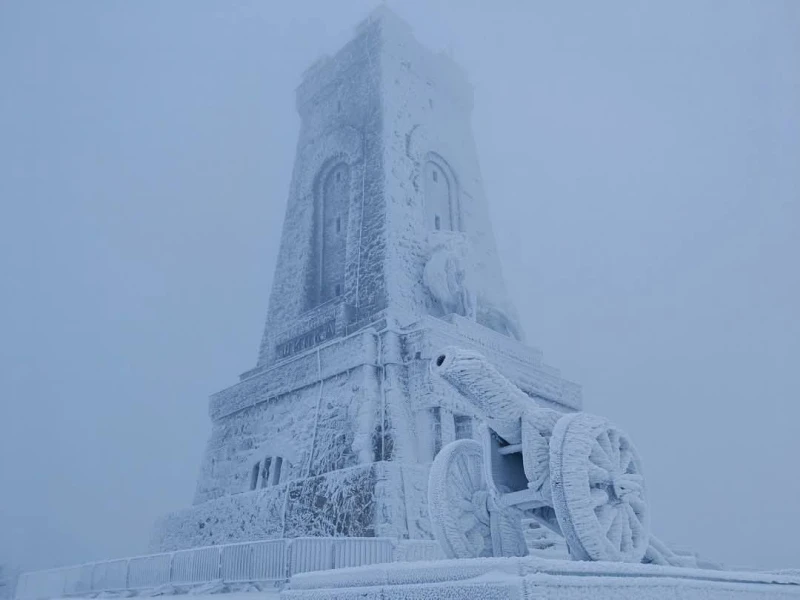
column 268, row 561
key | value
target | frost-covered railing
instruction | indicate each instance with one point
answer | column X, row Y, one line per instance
column 269, row 561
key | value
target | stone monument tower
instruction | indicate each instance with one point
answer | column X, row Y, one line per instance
column 387, row 255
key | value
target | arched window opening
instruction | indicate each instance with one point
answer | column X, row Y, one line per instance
column 276, row 471
column 440, row 212
column 254, row 475
column 266, row 473
column 331, row 218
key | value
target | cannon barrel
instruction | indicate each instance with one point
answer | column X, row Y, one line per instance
column 494, row 397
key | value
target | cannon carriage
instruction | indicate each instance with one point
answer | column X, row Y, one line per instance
column 575, row 473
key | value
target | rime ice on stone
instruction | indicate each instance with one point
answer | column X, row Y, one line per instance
column 387, row 255
column 574, row 473
column 341, row 429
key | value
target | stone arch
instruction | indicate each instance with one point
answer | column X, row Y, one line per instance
column 315, row 161
column 332, row 196
column 344, row 144
column 441, row 198
column 428, row 154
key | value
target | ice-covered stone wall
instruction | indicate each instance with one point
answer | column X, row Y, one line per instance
column 386, row 256
column 339, row 102
column 391, row 120
column 428, row 138
column 356, row 437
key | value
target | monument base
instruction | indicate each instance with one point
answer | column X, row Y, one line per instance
column 532, row 578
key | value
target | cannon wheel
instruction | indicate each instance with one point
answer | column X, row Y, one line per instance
column 598, row 490
column 465, row 520
column 457, row 501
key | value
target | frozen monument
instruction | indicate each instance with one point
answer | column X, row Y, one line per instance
column 394, row 396
column 505, row 434
column 397, row 439
column 387, row 255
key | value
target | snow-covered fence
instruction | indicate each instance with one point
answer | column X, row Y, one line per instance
column 317, row 554
column 76, row 581
column 149, row 571
column 348, row 552
column 309, row 554
column 112, row 575
column 256, row 561
column 197, row 565
column 264, row 561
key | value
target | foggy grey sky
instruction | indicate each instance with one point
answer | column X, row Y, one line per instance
column 642, row 165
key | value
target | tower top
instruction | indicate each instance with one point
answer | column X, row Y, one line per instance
column 386, row 17
column 384, row 40
column 386, row 220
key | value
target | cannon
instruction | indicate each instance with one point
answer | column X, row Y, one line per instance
column 573, row 472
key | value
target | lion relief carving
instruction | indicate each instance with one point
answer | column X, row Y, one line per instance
column 450, row 276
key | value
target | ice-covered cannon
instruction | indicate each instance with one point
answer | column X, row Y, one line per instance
column 575, row 473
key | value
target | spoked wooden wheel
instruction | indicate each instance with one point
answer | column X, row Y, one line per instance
column 598, row 490
column 457, row 501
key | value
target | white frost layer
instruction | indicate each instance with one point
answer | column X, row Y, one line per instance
column 464, row 569
column 260, row 595
column 533, row 578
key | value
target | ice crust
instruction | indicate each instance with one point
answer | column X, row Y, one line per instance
column 341, row 392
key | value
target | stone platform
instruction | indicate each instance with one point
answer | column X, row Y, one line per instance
column 532, row 578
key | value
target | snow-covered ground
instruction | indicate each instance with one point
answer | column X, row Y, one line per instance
column 269, row 594
column 532, row 577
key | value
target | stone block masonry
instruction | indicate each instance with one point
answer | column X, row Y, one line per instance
column 356, row 423
column 387, row 254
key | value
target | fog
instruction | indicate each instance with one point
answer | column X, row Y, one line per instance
column 642, row 165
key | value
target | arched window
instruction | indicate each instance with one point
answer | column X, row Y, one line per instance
column 266, row 473
column 331, row 218
column 440, row 213
column 254, row 475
